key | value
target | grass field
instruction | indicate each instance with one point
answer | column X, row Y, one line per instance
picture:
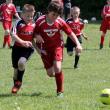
column 82, row 86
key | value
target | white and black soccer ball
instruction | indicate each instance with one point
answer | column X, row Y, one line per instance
column 85, row 21
column 93, row 19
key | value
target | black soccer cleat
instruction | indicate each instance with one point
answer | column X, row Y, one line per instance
column 101, row 46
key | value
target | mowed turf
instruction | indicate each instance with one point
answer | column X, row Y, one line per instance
column 82, row 86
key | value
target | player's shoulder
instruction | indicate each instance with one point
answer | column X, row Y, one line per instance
column 11, row 5
column 19, row 23
column 40, row 20
column 60, row 21
column 106, row 6
column 3, row 4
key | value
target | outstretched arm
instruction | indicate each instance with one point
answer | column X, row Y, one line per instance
column 22, row 42
column 17, row 15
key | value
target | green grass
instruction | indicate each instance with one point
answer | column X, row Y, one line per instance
column 82, row 86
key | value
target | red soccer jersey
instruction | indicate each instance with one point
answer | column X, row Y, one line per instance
column 7, row 11
column 23, row 31
column 76, row 27
column 51, row 33
column 106, row 10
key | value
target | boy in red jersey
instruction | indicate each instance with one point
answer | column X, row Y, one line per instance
column 105, row 25
column 49, row 41
column 22, row 33
column 7, row 10
column 77, row 26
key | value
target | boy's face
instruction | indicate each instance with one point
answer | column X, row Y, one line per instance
column 75, row 13
column 28, row 17
column 52, row 16
column 9, row 1
column 108, row 1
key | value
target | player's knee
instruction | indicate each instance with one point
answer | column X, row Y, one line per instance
column 51, row 74
column 21, row 63
column 7, row 32
column 77, row 53
column 57, row 69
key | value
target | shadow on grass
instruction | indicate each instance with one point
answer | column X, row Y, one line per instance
column 22, row 94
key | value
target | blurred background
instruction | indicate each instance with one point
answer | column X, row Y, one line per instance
column 89, row 8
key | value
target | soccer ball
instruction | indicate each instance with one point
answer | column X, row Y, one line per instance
column 93, row 19
column 105, row 96
column 85, row 21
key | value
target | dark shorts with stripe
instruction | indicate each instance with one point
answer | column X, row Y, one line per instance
column 70, row 45
column 18, row 52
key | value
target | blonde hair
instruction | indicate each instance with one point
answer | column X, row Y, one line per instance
column 28, row 8
column 75, row 8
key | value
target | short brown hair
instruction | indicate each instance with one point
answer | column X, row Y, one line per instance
column 56, row 7
column 28, row 8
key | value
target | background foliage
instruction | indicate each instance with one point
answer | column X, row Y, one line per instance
column 89, row 8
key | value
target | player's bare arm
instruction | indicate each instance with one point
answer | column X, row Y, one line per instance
column 35, row 46
column 17, row 16
column 24, row 43
column 39, row 39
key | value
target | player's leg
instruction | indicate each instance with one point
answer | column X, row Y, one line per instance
column 51, row 72
column 15, row 58
column 69, row 46
column 48, row 63
column 59, row 76
column 7, row 38
column 20, row 56
column 109, row 43
column 102, row 40
column 103, row 29
column 77, row 54
column 21, row 68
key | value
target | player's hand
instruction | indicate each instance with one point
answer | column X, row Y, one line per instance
column 79, row 48
column 27, row 44
column 39, row 39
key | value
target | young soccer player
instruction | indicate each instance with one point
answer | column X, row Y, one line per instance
column 7, row 10
column 77, row 26
column 49, row 41
column 22, row 33
column 105, row 25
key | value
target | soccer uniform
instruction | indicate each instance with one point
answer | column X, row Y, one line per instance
column 105, row 25
column 25, row 32
column 53, row 43
column 6, row 13
column 76, row 27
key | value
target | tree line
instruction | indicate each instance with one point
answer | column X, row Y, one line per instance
column 89, row 8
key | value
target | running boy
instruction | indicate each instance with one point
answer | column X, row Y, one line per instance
column 77, row 25
column 22, row 33
column 49, row 38
column 7, row 10
column 105, row 25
